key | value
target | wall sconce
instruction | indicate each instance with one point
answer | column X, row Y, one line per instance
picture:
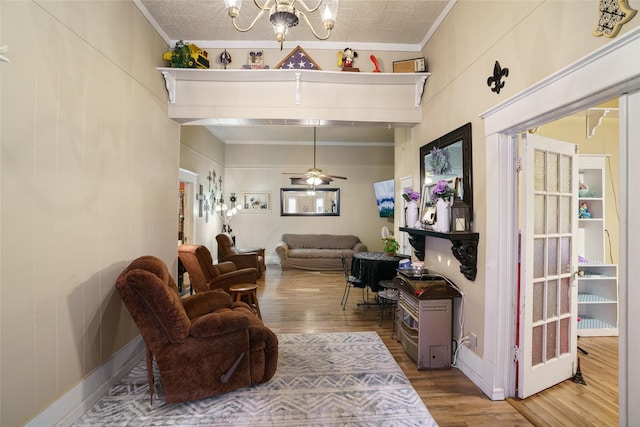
column 460, row 216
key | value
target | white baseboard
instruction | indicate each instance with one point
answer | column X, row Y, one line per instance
column 71, row 405
column 469, row 363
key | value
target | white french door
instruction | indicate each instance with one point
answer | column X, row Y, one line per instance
column 548, row 295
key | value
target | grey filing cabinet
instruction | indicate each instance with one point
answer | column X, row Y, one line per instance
column 425, row 319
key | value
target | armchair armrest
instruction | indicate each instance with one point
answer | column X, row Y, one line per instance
column 203, row 303
column 225, row 267
column 213, row 324
column 244, row 260
column 244, row 275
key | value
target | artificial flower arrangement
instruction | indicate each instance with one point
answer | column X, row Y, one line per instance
column 410, row 196
column 441, row 190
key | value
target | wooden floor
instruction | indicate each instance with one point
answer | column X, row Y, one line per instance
column 294, row 301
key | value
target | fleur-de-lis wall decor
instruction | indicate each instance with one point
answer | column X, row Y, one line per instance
column 612, row 15
column 496, row 78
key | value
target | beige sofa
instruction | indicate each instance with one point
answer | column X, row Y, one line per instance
column 317, row 251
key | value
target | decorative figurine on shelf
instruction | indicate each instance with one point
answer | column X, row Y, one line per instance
column 345, row 59
column 375, row 63
column 225, row 59
column 256, row 61
column 583, row 212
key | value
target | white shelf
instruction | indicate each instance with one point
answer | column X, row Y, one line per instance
column 200, row 94
column 598, row 281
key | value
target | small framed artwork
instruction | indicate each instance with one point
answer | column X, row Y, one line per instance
column 256, row 202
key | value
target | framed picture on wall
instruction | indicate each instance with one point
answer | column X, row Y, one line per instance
column 256, row 202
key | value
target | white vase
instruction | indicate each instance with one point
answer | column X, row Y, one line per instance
column 412, row 214
column 443, row 216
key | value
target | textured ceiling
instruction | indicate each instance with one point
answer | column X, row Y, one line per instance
column 393, row 25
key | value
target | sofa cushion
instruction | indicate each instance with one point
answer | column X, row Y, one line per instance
column 319, row 241
column 319, row 253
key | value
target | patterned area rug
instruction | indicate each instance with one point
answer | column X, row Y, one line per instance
column 335, row 379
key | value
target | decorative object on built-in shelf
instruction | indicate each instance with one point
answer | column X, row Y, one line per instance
column 390, row 245
column 584, row 191
column 414, row 65
column 495, row 79
column 224, row 59
column 583, row 211
column 460, row 216
column 612, row 15
column 345, row 59
column 298, row 59
column 411, row 217
column 375, row 63
column 186, row 55
column 442, row 193
column 256, row 61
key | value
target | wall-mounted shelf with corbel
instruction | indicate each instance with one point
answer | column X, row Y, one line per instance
column 197, row 94
column 465, row 247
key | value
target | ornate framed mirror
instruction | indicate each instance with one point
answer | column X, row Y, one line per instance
column 307, row 202
column 449, row 158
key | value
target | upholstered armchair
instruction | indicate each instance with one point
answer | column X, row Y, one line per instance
column 227, row 251
column 204, row 344
column 206, row 276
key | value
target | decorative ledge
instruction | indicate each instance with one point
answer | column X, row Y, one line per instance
column 465, row 247
column 384, row 98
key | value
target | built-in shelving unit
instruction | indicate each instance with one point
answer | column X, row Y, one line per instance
column 465, row 247
column 597, row 280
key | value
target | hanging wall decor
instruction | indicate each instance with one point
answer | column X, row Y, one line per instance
column 498, row 74
column 612, row 15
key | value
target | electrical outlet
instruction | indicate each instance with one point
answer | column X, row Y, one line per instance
column 473, row 340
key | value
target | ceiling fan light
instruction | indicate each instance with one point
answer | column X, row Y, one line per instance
column 310, row 180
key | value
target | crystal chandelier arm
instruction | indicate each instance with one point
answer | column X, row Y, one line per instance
column 313, row 30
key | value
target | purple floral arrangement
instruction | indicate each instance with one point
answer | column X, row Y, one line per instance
column 410, row 196
column 441, row 190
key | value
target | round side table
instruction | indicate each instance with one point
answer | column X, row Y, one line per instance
column 250, row 293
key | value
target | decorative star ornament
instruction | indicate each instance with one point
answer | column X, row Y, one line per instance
column 613, row 15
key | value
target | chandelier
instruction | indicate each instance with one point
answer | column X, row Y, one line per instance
column 284, row 15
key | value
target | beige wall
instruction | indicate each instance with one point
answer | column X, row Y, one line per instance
column 88, row 171
column 259, row 168
column 531, row 38
column 202, row 153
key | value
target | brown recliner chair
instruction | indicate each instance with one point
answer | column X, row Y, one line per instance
column 227, row 251
column 204, row 344
column 206, row 276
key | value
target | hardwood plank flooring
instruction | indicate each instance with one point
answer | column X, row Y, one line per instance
column 298, row 301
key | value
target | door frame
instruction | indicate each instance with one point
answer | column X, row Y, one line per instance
column 187, row 176
column 574, row 88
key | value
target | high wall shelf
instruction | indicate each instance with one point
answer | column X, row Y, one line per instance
column 465, row 247
column 597, row 280
column 198, row 96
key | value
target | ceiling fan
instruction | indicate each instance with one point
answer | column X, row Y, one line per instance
column 314, row 176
